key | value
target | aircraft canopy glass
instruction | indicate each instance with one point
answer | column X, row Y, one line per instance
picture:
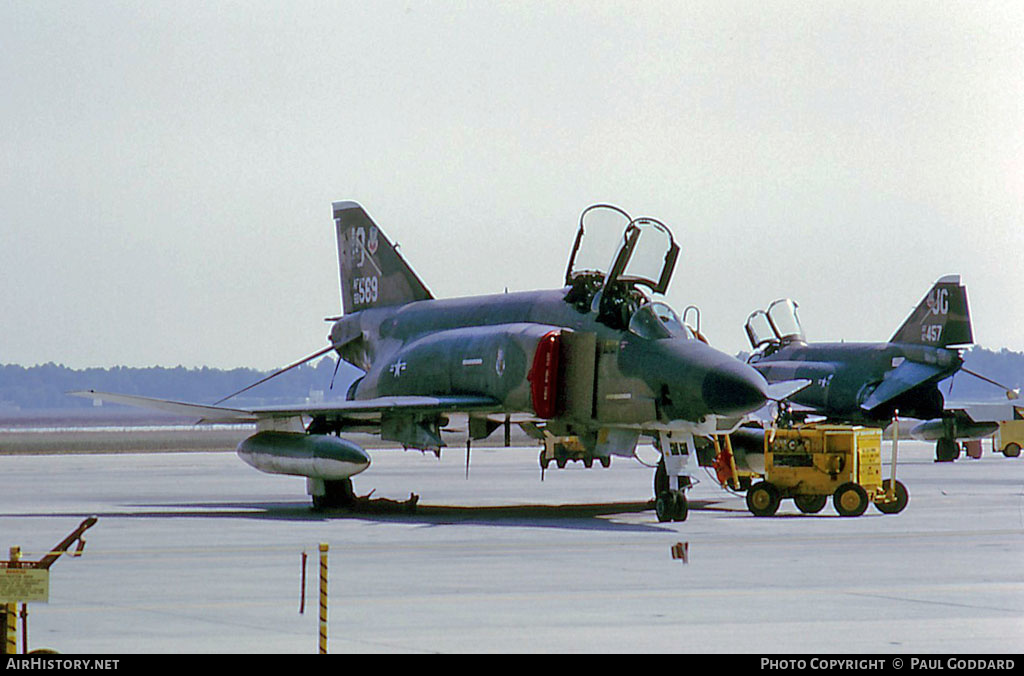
column 643, row 251
column 599, row 234
column 656, row 321
column 785, row 321
column 779, row 324
column 759, row 329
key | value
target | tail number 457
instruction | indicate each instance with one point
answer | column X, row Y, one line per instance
column 930, row 333
column 365, row 290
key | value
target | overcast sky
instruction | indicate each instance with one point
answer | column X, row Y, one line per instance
column 169, row 167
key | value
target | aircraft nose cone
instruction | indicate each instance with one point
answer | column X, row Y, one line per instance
column 734, row 389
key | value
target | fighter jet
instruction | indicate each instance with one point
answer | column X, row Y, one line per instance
column 594, row 365
column 866, row 383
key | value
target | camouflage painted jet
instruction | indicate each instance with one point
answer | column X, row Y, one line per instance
column 866, row 383
column 593, row 366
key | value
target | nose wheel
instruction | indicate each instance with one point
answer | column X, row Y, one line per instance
column 671, row 506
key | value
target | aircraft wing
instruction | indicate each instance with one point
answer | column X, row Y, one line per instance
column 903, row 378
column 366, row 409
column 988, row 411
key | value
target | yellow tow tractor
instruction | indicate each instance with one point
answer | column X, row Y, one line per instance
column 1009, row 438
column 813, row 462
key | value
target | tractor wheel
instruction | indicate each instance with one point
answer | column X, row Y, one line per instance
column 763, row 499
column 1012, row 450
column 902, row 498
column 810, row 504
column 850, row 499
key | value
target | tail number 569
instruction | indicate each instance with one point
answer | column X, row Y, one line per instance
column 364, row 290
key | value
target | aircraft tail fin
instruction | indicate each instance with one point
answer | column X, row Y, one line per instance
column 941, row 319
column 373, row 273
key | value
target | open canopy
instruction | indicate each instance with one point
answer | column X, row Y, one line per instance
column 779, row 324
column 642, row 251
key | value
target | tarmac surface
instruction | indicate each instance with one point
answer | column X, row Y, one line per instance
column 198, row 553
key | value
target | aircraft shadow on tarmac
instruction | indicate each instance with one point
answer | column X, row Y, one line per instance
column 572, row 517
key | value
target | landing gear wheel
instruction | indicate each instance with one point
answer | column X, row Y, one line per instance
column 902, row 498
column 660, row 479
column 810, row 504
column 850, row 500
column 336, row 494
column 946, row 450
column 763, row 499
column 671, row 506
column 1012, row 450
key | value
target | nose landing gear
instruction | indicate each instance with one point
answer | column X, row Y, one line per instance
column 671, row 504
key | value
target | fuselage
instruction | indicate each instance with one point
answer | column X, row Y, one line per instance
column 482, row 344
column 844, row 375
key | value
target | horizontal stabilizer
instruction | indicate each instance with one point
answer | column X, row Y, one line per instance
column 786, row 388
column 903, row 378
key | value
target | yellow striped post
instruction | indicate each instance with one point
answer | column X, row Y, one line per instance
column 323, row 598
column 11, row 610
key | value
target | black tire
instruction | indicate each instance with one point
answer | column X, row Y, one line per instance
column 946, row 450
column 606, row 461
column 810, row 504
column 850, row 499
column 561, row 462
column 665, row 506
column 661, row 483
column 902, row 498
column 763, row 499
column 588, row 461
column 1012, row 450
column 682, row 507
column 337, row 494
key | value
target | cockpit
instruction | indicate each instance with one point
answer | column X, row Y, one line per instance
column 656, row 321
column 779, row 325
column 644, row 255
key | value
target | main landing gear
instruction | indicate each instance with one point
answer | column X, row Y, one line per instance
column 336, row 494
column 946, row 450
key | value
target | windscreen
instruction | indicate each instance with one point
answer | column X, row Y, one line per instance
column 656, row 321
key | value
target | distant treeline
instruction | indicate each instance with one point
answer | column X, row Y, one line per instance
column 45, row 387
column 1004, row 367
